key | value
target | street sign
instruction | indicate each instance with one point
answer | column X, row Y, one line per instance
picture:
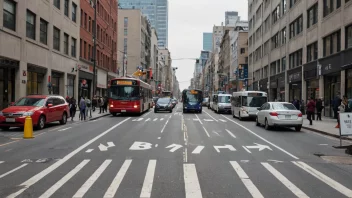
column 345, row 124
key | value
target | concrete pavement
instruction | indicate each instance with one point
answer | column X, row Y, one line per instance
column 174, row 155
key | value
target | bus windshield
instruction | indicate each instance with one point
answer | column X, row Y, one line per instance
column 189, row 97
column 224, row 99
column 253, row 101
column 124, row 92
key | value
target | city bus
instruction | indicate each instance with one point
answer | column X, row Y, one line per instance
column 166, row 94
column 129, row 95
column 244, row 104
column 192, row 100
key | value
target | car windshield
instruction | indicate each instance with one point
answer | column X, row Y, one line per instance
column 283, row 106
column 163, row 101
column 124, row 92
column 35, row 102
column 205, row 99
column 255, row 101
column 224, row 99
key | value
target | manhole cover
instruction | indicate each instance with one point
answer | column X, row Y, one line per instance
column 338, row 159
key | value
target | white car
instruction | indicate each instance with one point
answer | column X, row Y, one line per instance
column 284, row 114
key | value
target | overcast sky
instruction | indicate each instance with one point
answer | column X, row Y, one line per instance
column 188, row 19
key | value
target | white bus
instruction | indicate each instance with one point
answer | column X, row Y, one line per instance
column 244, row 104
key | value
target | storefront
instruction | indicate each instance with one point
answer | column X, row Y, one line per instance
column 255, row 86
column 312, row 80
column 56, row 78
column 263, row 85
column 7, row 81
column 277, row 87
column 349, row 83
column 35, row 79
column 70, row 85
column 295, row 83
column 85, row 80
column 101, row 82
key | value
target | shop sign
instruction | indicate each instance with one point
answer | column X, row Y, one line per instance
column 295, row 77
column 85, row 68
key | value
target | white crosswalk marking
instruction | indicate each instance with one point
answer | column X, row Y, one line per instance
column 246, row 181
column 192, row 186
column 110, row 193
column 1, row 162
column 161, row 119
column 147, row 119
column 13, row 170
column 148, row 180
column 222, row 120
column 85, row 187
column 63, row 180
column 284, row 181
column 155, row 119
column 334, row 184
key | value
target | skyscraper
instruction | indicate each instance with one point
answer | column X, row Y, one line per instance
column 207, row 41
column 157, row 13
column 231, row 17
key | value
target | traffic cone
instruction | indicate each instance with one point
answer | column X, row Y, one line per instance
column 28, row 128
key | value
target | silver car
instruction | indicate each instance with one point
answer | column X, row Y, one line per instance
column 285, row 114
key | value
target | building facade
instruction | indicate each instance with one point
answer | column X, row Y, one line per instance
column 157, row 13
column 134, row 40
column 39, row 48
column 106, row 50
column 166, row 69
column 154, row 59
column 207, row 41
column 301, row 49
column 231, row 17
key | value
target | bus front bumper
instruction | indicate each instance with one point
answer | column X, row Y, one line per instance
column 124, row 110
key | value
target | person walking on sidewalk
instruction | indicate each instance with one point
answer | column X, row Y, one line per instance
column 319, row 107
column 106, row 101
column 310, row 110
column 88, row 108
column 82, row 106
column 73, row 108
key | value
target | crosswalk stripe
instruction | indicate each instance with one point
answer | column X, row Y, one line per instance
column 155, row 119
column 13, row 170
column 246, row 181
column 284, row 181
column 1, row 162
column 85, row 187
column 334, row 184
column 222, row 120
column 147, row 120
column 110, row 193
column 161, row 119
column 63, row 180
column 190, row 177
column 148, row 180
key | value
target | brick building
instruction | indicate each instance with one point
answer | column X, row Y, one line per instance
column 106, row 57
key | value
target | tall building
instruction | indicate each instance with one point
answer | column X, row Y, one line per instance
column 39, row 48
column 157, row 13
column 231, row 17
column 207, row 41
column 301, row 49
column 106, row 52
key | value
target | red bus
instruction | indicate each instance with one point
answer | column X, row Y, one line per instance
column 129, row 95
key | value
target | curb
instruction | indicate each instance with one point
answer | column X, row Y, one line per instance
column 326, row 133
column 95, row 118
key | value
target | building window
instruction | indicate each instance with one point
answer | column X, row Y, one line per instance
column 89, row 51
column 125, row 44
column 332, row 43
column 312, row 15
column 293, row 2
column 283, row 64
column 82, row 13
column 43, row 31
column 125, row 32
column 90, row 24
column 30, row 25
column 85, row 50
column 284, row 6
column 34, row 83
column 125, row 22
column 275, row 41
column 348, row 37
column 243, row 50
column 312, row 52
column 56, row 39
column 273, row 68
column 328, row 6
column 74, row 12
column 295, row 59
column 276, row 14
column 57, row 4
column 9, row 15
column 266, row 48
column 283, row 36
column 73, row 47
column 296, row 27
column 66, row 43
column 66, row 7
column 70, row 86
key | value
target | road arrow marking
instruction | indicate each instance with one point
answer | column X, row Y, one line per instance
column 230, row 147
column 198, row 149
column 89, row 150
column 259, row 146
column 175, row 147
column 111, row 144
column 102, row 147
column 208, row 120
column 222, row 120
column 275, row 161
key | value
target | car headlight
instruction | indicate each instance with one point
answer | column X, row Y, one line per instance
column 28, row 113
column 1, row 114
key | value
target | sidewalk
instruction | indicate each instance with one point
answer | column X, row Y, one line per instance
column 95, row 115
column 326, row 126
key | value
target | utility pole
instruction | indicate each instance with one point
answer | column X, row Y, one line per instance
column 95, row 47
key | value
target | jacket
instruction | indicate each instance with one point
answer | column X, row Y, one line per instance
column 311, row 106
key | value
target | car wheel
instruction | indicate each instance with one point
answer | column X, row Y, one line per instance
column 5, row 128
column 41, row 122
column 113, row 114
column 298, row 128
column 267, row 127
column 239, row 116
column 256, row 121
column 63, row 119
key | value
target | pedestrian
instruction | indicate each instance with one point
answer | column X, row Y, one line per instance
column 82, row 106
column 336, row 104
column 101, row 104
column 106, row 101
column 319, row 107
column 89, row 107
column 310, row 110
column 73, row 108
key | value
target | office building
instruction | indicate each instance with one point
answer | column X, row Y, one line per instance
column 207, row 41
column 231, row 17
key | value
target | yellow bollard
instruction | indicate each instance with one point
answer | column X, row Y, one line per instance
column 28, row 128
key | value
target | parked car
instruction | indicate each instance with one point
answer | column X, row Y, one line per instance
column 163, row 104
column 285, row 114
column 205, row 102
column 154, row 101
column 42, row 109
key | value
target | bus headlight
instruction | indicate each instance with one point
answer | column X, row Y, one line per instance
column 111, row 105
column 135, row 106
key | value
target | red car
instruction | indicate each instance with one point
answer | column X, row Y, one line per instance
column 42, row 108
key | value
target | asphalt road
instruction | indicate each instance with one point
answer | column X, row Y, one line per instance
column 173, row 155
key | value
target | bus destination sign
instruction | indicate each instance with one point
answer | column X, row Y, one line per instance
column 194, row 92
column 123, row 82
column 255, row 94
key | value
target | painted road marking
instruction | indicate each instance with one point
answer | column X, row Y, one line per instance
column 89, row 150
column 63, row 180
column 65, row 129
column 161, row 119
column 206, row 132
column 332, row 183
column 284, row 181
column 148, row 180
column 211, row 116
column 246, row 181
column 89, row 183
column 199, row 119
column 275, row 161
column 147, row 119
column 13, row 170
column 110, row 193
column 208, row 120
column 267, row 141
column 162, row 130
column 102, row 147
column 222, row 120
column 25, row 185
column 159, row 138
column 155, row 119
column 1, row 162
column 259, row 146
column 230, row 147
column 140, row 146
column 230, row 133
column 246, row 149
column 174, row 147
column 190, row 177
column 198, row 149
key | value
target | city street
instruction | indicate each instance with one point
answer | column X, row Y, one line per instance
column 164, row 155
